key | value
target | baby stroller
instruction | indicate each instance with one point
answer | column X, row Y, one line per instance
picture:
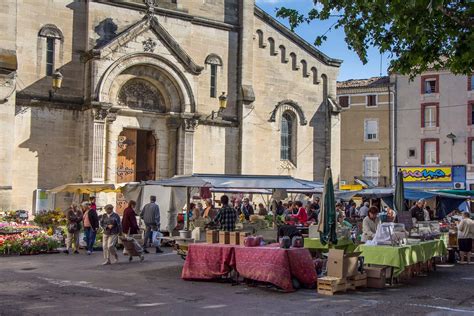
column 132, row 248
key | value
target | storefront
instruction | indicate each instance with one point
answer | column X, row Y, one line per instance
column 446, row 177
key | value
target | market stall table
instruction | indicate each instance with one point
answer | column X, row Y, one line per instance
column 208, row 261
column 403, row 256
column 343, row 244
column 276, row 265
column 266, row 264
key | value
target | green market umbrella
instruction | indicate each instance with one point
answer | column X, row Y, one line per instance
column 328, row 216
column 399, row 198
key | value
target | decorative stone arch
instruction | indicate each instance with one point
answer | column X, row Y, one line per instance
column 273, row 51
column 304, row 65
column 166, row 67
column 213, row 59
column 314, row 71
column 284, row 59
column 294, row 61
column 285, row 106
column 51, row 30
column 261, row 40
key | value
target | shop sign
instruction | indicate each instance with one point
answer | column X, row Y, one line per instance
column 427, row 174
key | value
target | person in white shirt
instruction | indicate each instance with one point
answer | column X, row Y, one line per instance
column 370, row 224
column 465, row 235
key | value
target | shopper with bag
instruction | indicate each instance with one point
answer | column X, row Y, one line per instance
column 110, row 222
column 74, row 219
column 150, row 215
column 91, row 225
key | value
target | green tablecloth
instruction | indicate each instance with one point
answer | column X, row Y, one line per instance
column 315, row 244
column 401, row 257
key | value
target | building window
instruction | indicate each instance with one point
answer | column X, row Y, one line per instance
column 294, row 62
column 288, row 137
column 261, row 42
column 213, row 81
column 411, row 153
column 214, row 62
column 429, row 84
column 429, row 115
column 470, row 113
column 50, row 47
column 371, row 130
column 470, row 148
column 50, row 56
column 304, row 64
column 372, row 100
column 430, row 151
column 344, row 101
column 371, row 169
column 315, row 75
column 470, row 82
column 273, row 51
column 284, row 60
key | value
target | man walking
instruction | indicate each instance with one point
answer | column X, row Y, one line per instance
column 110, row 222
column 74, row 219
column 150, row 215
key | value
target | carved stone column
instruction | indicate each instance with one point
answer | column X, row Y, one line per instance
column 98, row 146
column 186, row 146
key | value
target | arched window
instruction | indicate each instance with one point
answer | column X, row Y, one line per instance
column 294, row 62
column 214, row 61
column 261, row 42
column 273, row 51
column 288, row 137
column 284, row 59
column 51, row 38
column 315, row 75
column 305, row 68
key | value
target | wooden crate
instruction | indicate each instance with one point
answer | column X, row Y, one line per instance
column 331, row 285
column 357, row 281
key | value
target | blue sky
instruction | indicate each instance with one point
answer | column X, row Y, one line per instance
column 335, row 46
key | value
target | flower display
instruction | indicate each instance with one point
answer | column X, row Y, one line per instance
column 27, row 242
column 47, row 219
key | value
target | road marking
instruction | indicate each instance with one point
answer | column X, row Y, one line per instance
column 213, row 306
column 444, row 308
column 149, row 304
column 84, row 284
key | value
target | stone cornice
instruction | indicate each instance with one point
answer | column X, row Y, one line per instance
column 173, row 14
column 267, row 18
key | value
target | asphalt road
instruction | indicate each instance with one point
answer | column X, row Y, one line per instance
column 78, row 285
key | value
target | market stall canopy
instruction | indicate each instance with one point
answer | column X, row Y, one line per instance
column 409, row 194
column 85, row 188
column 242, row 182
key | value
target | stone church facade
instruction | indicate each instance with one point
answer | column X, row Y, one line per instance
column 142, row 91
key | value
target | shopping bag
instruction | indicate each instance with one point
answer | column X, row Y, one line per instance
column 156, row 238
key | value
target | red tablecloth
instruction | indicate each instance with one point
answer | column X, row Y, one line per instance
column 266, row 264
column 276, row 266
column 208, row 261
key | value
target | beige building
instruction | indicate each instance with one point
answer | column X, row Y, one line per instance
column 365, row 130
column 140, row 94
column 434, row 133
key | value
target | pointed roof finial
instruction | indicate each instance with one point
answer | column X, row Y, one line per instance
column 150, row 5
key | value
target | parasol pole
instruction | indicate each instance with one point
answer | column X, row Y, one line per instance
column 188, row 206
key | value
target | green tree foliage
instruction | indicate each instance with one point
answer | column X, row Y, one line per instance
column 418, row 34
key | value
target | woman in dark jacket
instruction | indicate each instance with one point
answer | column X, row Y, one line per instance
column 129, row 220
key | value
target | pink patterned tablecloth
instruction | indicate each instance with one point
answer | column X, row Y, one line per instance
column 208, row 261
column 266, row 264
column 276, row 266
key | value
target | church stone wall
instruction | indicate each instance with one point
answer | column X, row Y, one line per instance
column 48, row 151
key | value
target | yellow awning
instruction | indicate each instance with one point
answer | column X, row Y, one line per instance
column 86, row 188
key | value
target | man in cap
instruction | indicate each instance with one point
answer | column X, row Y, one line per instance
column 150, row 215
column 110, row 222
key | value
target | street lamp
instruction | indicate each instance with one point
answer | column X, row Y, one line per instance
column 452, row 137
column 56, row 84
column 222, row 105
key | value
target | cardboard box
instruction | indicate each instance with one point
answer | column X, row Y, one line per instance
column 212, row 236
column 342, row 265
column 235, row 238
column 224, row 238
column 376, row 283
column 376, row 272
